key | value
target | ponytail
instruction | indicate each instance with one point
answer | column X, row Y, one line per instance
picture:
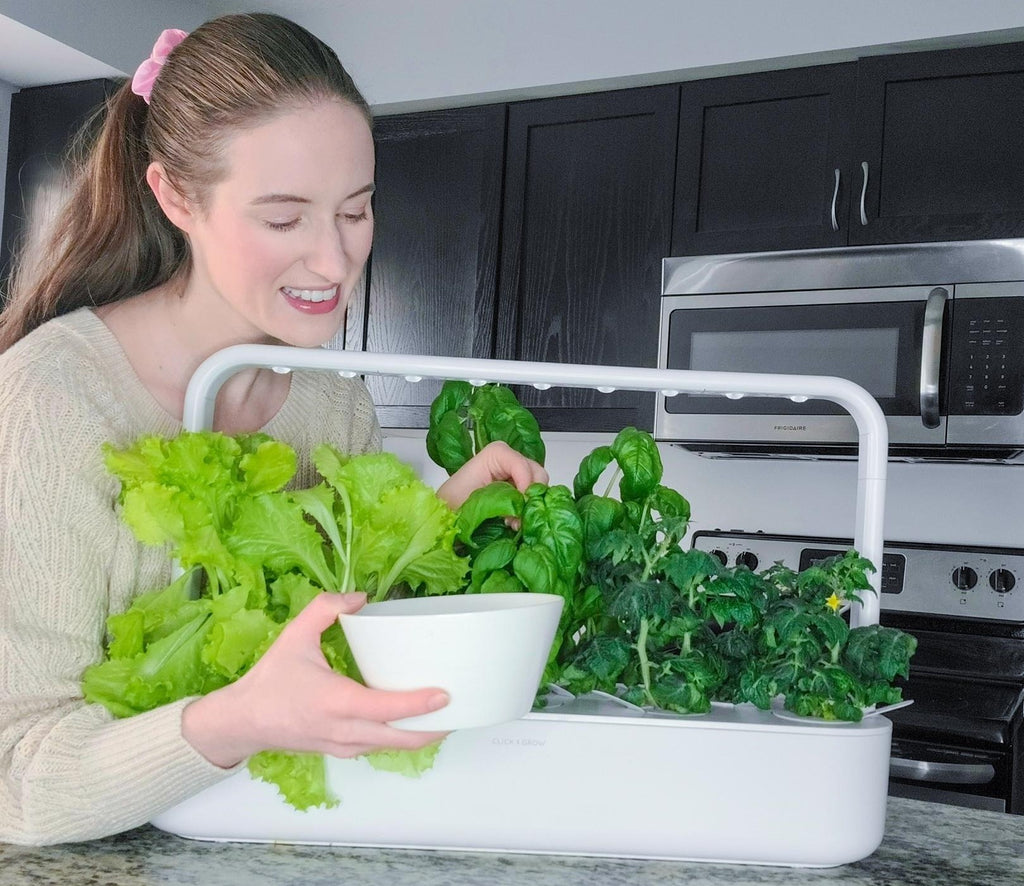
column 111, row 239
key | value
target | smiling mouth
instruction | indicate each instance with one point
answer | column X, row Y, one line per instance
column 312, row 301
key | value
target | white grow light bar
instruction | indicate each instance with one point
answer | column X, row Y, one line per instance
column 873, row 435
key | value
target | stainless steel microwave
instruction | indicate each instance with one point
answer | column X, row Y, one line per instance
column 934, row 331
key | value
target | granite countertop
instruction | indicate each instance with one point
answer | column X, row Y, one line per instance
column 925, row 843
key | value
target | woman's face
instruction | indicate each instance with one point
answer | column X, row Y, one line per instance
column 283, row 238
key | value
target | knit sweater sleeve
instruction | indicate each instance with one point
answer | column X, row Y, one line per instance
column 68, row 770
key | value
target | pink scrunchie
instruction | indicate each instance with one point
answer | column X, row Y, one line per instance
column 142, row 82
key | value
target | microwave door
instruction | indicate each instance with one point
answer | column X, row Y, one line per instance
column 889, row 340
column 986, row 366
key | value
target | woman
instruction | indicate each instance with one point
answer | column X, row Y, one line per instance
column 227, row 200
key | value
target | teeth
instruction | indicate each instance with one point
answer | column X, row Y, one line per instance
column 313, row 295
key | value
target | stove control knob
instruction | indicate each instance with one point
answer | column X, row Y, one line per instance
column 720, row 556
column 1002, row 581
column 748, row 559
column 964, row 578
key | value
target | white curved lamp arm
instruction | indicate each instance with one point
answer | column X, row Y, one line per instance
column 872, row 456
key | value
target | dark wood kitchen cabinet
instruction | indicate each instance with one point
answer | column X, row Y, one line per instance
column 764, row 161
column 910, row 147
column 586, row 221
column 940, row 140
column 431, row 278
column 43, row 124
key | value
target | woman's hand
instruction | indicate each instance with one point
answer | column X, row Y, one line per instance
column 292, row 700
column 496, row 461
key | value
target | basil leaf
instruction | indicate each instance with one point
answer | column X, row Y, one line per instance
column 537, row 569
column 495, row 556
column 591, row 469
column 550, row 520
column 498, row 415
column 638, row 456
column 599, row 515
column 497, row 499
column 501, row 582
column 449, row 443
column 453, row 397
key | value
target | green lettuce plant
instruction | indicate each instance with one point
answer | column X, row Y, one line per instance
column 259, row 553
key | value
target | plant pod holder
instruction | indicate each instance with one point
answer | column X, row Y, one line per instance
column 736, row 785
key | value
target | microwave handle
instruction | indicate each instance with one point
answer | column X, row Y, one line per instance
column 835, row 196
column 931, row 352
column 863, row 192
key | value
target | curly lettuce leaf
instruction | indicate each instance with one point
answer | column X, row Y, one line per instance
column 220, row 506
column 300, row 778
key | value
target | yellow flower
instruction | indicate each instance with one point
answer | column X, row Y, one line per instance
column 833, row 602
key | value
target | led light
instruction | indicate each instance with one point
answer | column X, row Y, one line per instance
column 414, row 378
column 282, row 370
column 798, row 398
column 346, row 373
column 735, row 395
column 477, row 382
column 670, row 393
column 541, row 385
column 604, row 389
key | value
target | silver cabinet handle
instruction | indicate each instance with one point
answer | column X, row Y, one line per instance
column 863, row 192
column 835, row 195
column 950, row 773
column 931, row 349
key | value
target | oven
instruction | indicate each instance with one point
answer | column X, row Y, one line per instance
column 961, row 741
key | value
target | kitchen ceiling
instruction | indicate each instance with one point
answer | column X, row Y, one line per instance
column 30, row 58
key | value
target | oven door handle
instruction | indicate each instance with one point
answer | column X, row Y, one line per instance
column 931, row 353
column 949, row 773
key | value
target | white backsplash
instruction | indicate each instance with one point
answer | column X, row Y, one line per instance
column 941, row 503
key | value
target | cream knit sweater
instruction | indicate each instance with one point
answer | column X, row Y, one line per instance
column 68, row 770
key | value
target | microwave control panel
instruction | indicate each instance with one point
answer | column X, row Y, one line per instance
column 947, row 580
column 987, row 357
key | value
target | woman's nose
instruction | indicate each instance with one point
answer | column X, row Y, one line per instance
column 327, row 256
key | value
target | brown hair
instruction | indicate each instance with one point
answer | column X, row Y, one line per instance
column 111, row 239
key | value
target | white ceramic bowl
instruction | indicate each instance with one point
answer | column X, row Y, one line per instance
column 487, row 651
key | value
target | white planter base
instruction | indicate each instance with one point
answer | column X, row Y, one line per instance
column 592, row 777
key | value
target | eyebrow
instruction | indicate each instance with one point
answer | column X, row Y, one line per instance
column 293, row 198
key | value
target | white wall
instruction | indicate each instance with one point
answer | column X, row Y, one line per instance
column 119, row 33
column 939, row 503
column 6, row 91
column 434, row 53
column 415, row 54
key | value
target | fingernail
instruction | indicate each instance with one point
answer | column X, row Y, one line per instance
column 438, row 700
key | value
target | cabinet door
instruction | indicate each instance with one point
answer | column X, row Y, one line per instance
column 44, row 122
column 940, row 138
column 763, row 161
column 431, row 274
column 587, row 214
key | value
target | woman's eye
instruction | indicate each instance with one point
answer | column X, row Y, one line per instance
column 355, row 216
column 282, row 226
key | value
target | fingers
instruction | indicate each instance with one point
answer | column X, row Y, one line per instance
column 319, row 614
column 360, row 737
column 506, row 464
column 383, row 706
column 388, row 738
column 354, row 719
